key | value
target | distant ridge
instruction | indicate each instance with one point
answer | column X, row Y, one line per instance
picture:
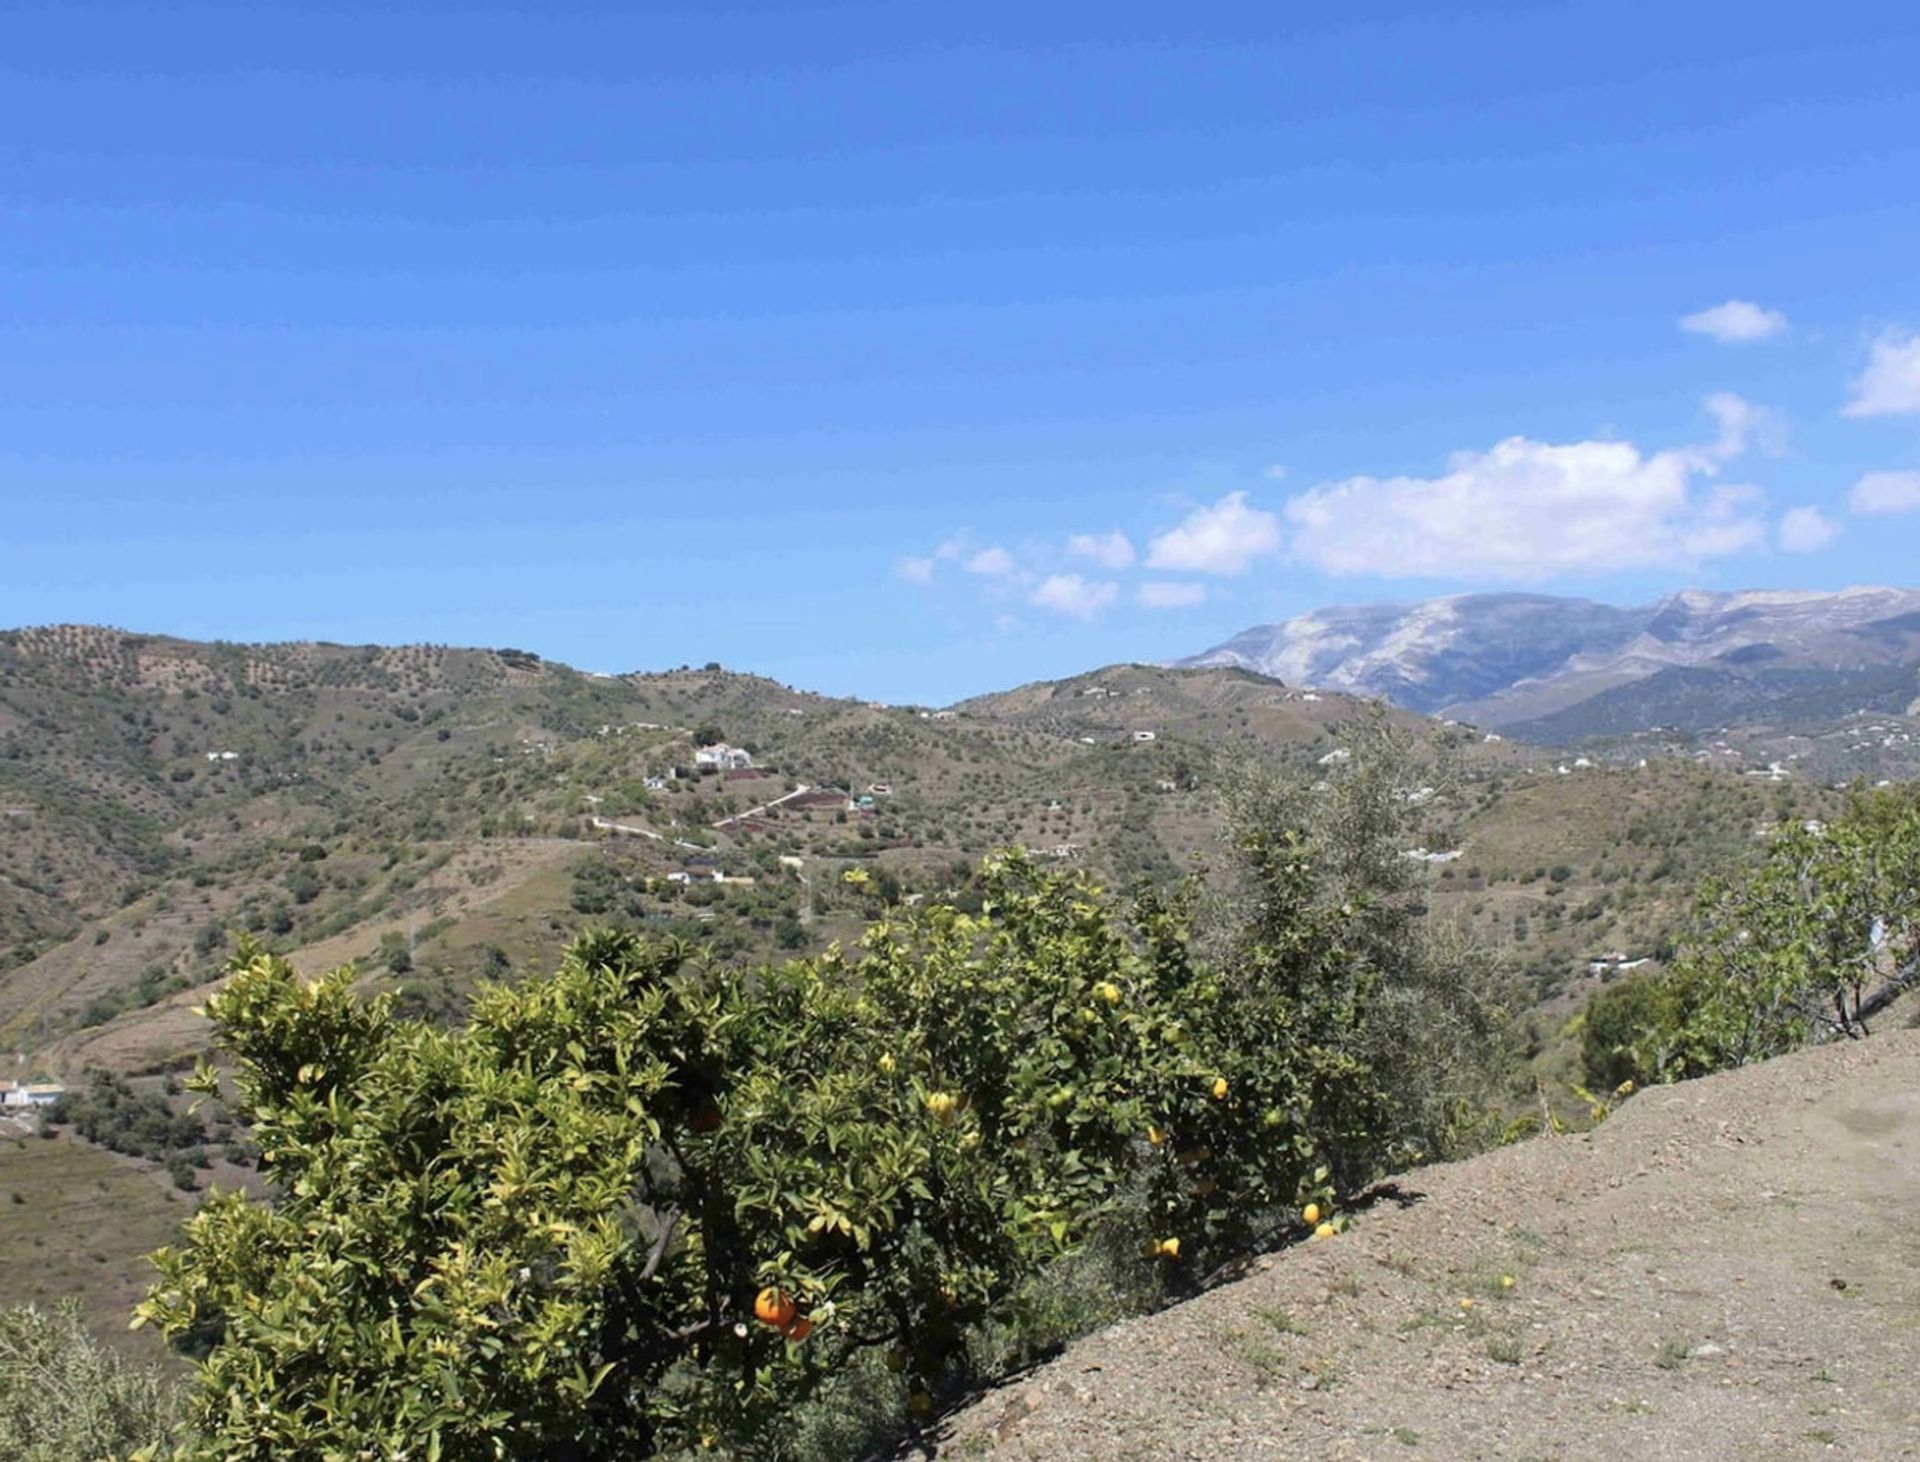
column 1504, row 660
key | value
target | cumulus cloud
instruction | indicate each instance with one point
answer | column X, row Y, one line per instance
column 1109, row 550
column 1806, row 530
column 1164, row 594
column 1073, row 595
column 993, row 563
column 1886, row 492
column 1890, row 385
column 1526, row 509
column 913, row 569
column 1735, row 323
column 1224, row 538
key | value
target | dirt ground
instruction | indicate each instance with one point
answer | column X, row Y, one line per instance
column 1725, row 1268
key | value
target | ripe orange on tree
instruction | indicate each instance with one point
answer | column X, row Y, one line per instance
column 774, row 1307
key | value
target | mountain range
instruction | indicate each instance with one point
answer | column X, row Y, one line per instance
column 1551, row 668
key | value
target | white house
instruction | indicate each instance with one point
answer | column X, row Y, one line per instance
column 726, row 758
column 1143, row 736
column 31, row 1094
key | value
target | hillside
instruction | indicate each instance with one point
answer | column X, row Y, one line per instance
column 444, row 816
column 1724, row 1268
column 1560, row 670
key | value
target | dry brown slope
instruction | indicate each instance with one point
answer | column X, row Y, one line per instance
column 1727, row 1268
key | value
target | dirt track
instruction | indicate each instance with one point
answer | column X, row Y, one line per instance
column 1727, row 1268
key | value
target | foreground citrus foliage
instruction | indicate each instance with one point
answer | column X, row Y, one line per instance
column 600, row 1219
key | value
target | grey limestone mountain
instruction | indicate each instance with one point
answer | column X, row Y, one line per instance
column 1508, row 659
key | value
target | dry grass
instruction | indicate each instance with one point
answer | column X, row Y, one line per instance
column 77, row 1221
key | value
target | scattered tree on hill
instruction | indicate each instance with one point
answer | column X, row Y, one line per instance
column 1809, row 947
column 111, row 1114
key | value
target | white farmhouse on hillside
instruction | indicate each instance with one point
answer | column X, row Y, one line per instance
column 31, row 1094
column 726, row 758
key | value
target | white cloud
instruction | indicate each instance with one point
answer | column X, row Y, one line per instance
column 1109, row 550
column 1527, row 510
column 1735, row 323
column 992, row 562
column 1743, row 425
column 1806, row 530
column 1890, row 385
column 1886, row 492
column 1222, row 539
column 1071, row 594
column 1166, row 595
column 913, row 570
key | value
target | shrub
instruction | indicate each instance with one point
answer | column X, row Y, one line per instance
column 110, row 1113
column 1809, row 947
column 543, row 1234
column 63, row 1395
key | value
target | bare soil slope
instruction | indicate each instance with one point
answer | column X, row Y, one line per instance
column 1726, row 1268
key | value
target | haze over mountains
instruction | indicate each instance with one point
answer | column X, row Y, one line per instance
column 1560, row 668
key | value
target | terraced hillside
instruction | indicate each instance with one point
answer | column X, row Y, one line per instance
column 447, row 815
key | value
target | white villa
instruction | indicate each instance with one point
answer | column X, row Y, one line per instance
column 30, row 1094
column 726, row 758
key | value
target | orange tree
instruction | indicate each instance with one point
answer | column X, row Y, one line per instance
column 646, row 1201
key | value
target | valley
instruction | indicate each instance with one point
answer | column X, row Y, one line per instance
column 441, row 817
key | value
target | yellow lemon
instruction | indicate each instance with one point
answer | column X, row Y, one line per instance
column 887, row 1063
column 1156, row 1136
column 1310, row 1214
column 1506, row 1281
column 1324, row 1231
column 1170, row 1248
column 1219, row 1088
column 1108, row 991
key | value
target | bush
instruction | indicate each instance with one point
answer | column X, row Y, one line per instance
column 64, row 1396
column 111, row 1114
column 1615, row 1020
column 544, row 1233
column 1809, row 947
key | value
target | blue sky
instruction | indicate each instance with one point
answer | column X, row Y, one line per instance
column 911, row 351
